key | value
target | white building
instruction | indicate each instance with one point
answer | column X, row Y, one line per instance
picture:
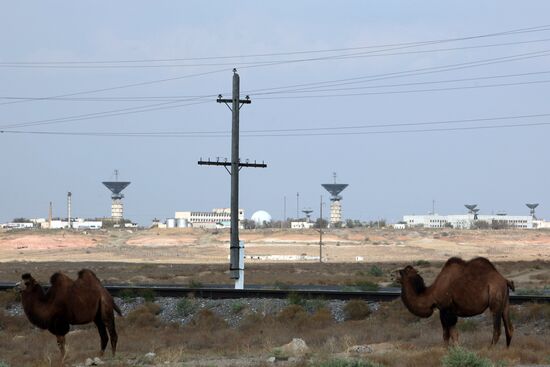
column 214, row 219
column 467, row 220
column 18, row 225
column 301, row 225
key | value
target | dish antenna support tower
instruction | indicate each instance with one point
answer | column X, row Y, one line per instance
column 532, row 209
column 307, row 213
column 472, row 209
column 335, row 206
column 116, row 187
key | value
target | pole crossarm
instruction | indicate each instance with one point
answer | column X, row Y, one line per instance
column 227, row 101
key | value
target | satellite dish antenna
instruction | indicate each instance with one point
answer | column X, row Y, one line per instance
column 307, row 212
column 335, row 207
column 116, row 188
column 532, row 209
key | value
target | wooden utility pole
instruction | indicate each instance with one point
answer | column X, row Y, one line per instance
column 236, row 249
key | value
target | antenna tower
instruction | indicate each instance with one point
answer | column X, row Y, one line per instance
column 532, row 209
column 116, row 187
column 335, row 207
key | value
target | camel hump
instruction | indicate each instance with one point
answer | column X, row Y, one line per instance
column 511, row 285
column 454, row 260
column 87, row 272
column 57, row 278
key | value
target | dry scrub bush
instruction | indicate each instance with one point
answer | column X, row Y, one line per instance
column 530, row 312
column 208, row 320
column 144, row 315
column 356, row 310
column 9, row 297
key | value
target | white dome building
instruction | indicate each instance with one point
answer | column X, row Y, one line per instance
column 261, row 217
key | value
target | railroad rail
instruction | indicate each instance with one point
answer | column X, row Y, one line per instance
column 219, row 292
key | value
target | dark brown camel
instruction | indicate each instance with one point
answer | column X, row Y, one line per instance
column 70, row 302
column 462, row 289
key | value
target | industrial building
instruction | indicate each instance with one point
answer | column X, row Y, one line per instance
column 217, row 218
column 466, row 221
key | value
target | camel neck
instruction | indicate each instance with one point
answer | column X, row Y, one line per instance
column 418, row 301
column 35, row 305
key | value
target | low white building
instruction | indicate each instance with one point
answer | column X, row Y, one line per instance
column 301, row 225
column 467, row 220
column 214, row 219
column 80, row 223
column 18, row 225
column 540, row 223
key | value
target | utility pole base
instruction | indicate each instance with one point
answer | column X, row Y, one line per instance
column 238, row 274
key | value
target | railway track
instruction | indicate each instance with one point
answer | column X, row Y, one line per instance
column 384, row 295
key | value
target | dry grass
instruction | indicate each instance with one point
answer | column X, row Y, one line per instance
column 418, row 342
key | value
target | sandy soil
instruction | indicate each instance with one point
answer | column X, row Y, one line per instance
column 187, row 256
column 200, row 246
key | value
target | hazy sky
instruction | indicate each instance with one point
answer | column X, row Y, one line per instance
column 64, row 48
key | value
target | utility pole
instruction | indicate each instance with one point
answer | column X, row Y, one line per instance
column 321, row 230
column 69, row 196
column 284, row 212
column 236, row 248
column 297, row 205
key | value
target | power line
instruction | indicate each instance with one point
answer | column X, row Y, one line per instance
column 92, row 134
column 240, row 64
column 131, row 85
column 405, row 91
column 177, row 98
column 540, row 28
column 297, row 131
column 353, row 80
column 110, row 113
column 510, row 32
column 399, row 74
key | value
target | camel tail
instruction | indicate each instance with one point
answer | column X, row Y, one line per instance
column 511, row 285
column 115, row 307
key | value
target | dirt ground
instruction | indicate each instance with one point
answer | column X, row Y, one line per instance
column 200, row 256
column 350, row 257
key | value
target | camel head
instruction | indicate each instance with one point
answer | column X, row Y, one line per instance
column 27, row 282
column 410, row 274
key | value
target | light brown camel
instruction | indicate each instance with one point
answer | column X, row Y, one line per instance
column 70, row 302
column 462, row 289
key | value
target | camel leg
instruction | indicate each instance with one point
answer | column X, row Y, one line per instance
column 508, row 328
column 102, row 334
column 496, row 327
column 448, row 322
column 110, row 323
column 61, row 345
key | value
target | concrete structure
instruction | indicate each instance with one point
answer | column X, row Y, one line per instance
column 217, row 218
column 467, row 220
